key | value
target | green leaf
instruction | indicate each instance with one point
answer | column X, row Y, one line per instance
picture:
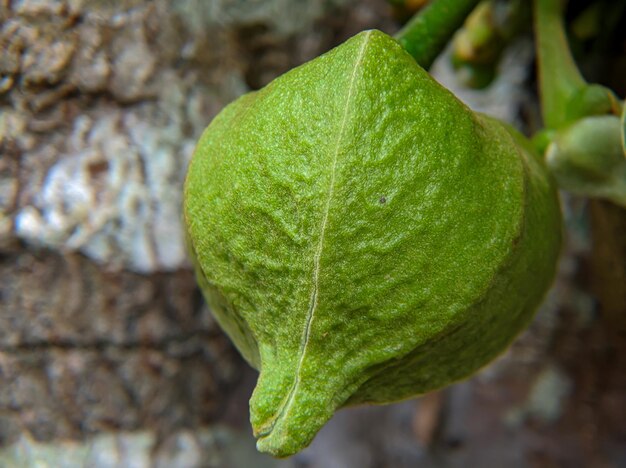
column 363, row 236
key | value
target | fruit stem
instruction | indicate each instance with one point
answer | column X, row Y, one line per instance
column 559, row 77
column 428, row 32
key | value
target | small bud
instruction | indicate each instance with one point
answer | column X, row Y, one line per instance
column 588, row 158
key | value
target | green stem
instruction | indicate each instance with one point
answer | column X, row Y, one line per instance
column 559, row 77
column 428, row 32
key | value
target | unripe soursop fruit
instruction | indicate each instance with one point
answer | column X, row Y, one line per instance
column 363, row 237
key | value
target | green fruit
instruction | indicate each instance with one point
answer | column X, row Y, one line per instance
column 362, row 236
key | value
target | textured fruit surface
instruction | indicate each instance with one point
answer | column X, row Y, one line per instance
column 362, row 236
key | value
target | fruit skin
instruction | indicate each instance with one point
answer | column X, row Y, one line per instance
column 362, row 236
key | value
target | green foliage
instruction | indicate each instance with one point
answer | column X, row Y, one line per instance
column 427, row 33
column 583, row 141
column 478, row 45
column 362, row 236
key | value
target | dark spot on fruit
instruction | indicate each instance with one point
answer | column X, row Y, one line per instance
column 454, row 443
column 516, row 241
column 97, row 168
column 382, row 200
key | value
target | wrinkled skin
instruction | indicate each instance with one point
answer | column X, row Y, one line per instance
column 362, row 236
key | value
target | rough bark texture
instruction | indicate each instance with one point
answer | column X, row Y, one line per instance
column 107, row 354
column 84, row 351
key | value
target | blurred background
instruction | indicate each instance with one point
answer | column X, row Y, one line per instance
column 108, row 355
